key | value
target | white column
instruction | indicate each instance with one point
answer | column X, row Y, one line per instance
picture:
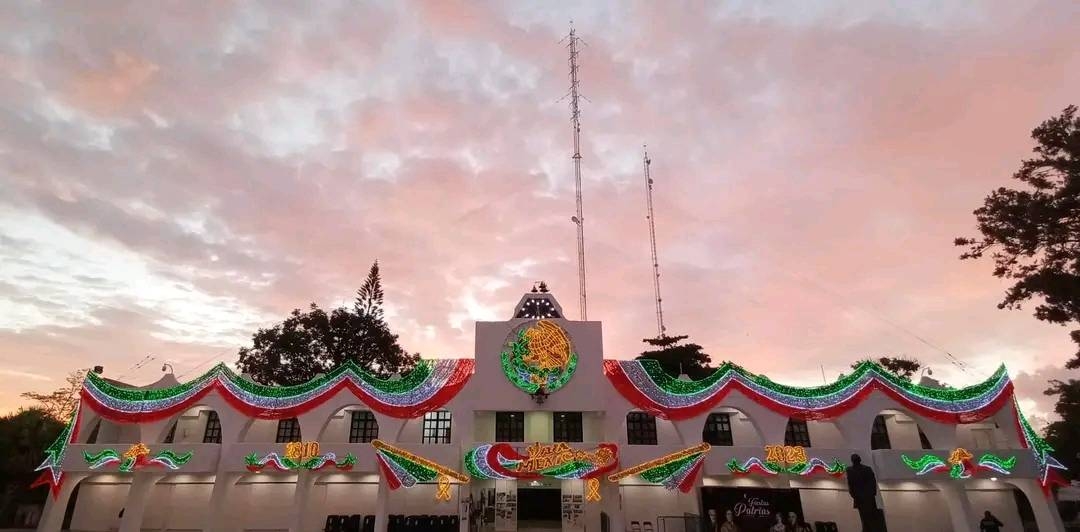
column 305, row 481
column 217, row 519
column 381, row 519
column 611, row 504
column 960, row 514
column 52, row 517
column 1044, row 507
column 142, row 485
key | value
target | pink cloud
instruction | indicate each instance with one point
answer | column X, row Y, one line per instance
column 812, row 170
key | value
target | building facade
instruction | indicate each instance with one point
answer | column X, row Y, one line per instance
column 540, row 431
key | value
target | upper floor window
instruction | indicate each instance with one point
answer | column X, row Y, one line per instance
column 640, row 429
column 567, row 427
column 797, row 433
column 363, row 427
column 436, row 427
column 923, row 440
column 212, row 433
column 172, row 434
column 718, row 430
column 509, row 426
column 879, row 434
column 92, row 438
column 288, row 430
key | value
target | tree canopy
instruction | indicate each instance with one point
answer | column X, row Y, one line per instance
column 24, row 436
column 308, row 343
column 60, row 403
column 1033, row 233
column 902, row 366
column 676, row 357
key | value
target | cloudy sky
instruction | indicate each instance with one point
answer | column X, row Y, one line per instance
column 175, row 175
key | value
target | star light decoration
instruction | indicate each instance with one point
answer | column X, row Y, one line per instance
column 52, row 473
column 646, row 385
column 1048, row 466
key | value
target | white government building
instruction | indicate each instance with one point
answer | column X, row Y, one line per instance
column 539, row 431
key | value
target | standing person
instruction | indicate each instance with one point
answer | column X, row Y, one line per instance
column 862, row 485
column 778, row 523
column 729, row 522
column 797, row 524
column 990, row 523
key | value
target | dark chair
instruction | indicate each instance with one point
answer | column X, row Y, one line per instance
column 329, row 526
column 431, row 522
column 397, row 521
column 368, row 524
column 411, row 524
column 455, row 523
column 635, row 526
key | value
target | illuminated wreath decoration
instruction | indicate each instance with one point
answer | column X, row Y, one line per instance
column 539, row 354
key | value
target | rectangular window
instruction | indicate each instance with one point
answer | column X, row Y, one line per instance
column 924, row 441
column 436, row 427
column 879, row 434
column 640, row 429
column 363, row 428
column 509, row 426
column 288, row 430
column 718, row 430
column 212, row 433
column 797, row 433
column 567, row 427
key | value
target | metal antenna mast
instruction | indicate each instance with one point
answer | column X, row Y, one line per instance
column 575, row 116
column 660, row 329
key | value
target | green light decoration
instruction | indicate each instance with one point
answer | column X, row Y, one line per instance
column 540, row 354
column 256, row 464
column 136, row 457
column 960, row 464
column 1041, row 450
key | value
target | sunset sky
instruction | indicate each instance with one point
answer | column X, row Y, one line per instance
column 175, row 175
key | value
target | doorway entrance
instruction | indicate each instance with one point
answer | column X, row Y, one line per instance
column 539, row 509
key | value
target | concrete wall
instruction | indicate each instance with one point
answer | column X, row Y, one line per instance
column 99, row 502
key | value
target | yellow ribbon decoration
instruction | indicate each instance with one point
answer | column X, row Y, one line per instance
column 442, row 492
column 592, row 490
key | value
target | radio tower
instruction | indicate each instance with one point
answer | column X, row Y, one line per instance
column 575, row 116
column 660, row 330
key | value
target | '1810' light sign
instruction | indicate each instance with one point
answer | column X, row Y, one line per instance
column 301, row 450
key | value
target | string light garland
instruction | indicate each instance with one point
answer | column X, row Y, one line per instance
column 539, row 354
column 559, row 460
column 430, row 385
column 960, row 464
column 403, row 468
column 677, row 470
column 255, row 464
column 645, row 384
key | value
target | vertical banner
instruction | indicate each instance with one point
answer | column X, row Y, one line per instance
column 749, row 509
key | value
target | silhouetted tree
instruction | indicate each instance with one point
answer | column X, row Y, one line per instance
column 60, row 403
column 901, row 366
column 675, row 356
column 24, row 436
column 313, row 342
column 1034, row 234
